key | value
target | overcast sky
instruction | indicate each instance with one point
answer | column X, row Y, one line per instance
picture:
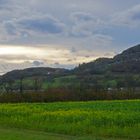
column 64, row 33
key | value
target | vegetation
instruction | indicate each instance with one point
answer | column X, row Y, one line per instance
column 20, row 134
column 104, row 78
column 16, row 134
column 105, row 119
column 126, row 62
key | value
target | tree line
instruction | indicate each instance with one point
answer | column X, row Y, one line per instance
column 71, row 88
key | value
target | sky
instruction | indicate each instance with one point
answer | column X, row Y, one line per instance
column 65, row 33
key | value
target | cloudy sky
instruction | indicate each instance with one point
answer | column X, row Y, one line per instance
column 64, row 33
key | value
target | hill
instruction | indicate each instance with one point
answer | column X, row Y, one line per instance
column 34, row 72
column 99, row 79
column 121, row 71
column 126, row 62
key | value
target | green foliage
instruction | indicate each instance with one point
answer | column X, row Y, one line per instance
column 112, row 84
column 105, row 119
column 16, row 134
column 126, row 62
column 122, row 71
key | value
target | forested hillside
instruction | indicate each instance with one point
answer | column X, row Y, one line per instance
column 120, row 74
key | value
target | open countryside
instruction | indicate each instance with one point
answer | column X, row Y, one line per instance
column 97, row 119
column 69, row 69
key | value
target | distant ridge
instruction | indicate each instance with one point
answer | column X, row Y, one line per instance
column 33, row 72
column 126, row 62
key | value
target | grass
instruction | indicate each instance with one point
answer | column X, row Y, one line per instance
column 14, row 134
column 120, row 119
column 18, row 134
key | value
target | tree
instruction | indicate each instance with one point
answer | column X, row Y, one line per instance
column 37, row 84
column 21, row 85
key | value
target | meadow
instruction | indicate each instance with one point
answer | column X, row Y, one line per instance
column 107, row 119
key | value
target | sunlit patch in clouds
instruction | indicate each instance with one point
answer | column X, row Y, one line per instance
column 49, row 54
column 29, row 53
column 64, row 33
column 19, row 57
column 6, row 50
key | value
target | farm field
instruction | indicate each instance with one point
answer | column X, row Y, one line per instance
column 112, row 120
column 19, row 134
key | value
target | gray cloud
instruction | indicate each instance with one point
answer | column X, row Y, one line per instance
column 30, row 29
column 45, row 24
column 76, row 25
column 82, row 16
column 2, row 1
column 6, row 67
column 10, row 28
column 73, row 50
column 14, row 57
column 129, row 18
column 85, row 24
column 38, row 63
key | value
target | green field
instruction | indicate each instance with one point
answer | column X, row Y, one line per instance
column 19, row 134
column 77, row 120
